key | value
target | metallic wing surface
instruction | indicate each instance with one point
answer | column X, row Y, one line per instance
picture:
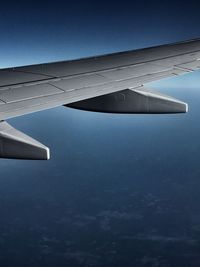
column 110, row 83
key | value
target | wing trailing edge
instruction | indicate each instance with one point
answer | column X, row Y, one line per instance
column 137, row 100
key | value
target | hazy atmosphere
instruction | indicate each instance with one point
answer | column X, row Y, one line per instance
column 119, row 190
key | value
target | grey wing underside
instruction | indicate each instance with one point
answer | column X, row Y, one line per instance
column 33, row 88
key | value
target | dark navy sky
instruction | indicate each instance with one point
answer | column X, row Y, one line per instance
column 37, row 31
column 119, row 190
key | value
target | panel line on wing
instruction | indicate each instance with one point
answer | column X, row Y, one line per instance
column 25, row 93
column 15, row 70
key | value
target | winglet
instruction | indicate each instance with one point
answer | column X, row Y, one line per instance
column 17, row 145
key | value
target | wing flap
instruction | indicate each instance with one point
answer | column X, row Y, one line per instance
column 11, row 77
column 133, row 71
column 28, row 92
column 78, row 82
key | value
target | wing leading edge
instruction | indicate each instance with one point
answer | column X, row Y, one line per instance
column 92, row 83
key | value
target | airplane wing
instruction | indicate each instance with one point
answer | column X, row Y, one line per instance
column 109, row 83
